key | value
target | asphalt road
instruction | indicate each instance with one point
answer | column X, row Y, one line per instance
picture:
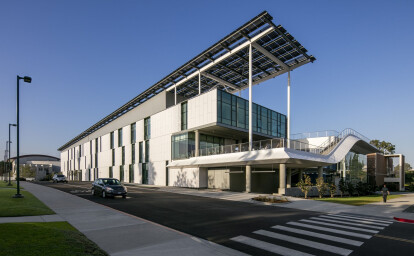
column 246, row 227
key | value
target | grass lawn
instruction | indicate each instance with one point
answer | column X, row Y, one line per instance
column 27, row 206
column 357, row 200
column 45, row 238
column 4, row 184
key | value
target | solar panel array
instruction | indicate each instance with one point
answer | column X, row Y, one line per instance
column 233, row 69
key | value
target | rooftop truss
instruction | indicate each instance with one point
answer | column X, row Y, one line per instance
column 225, row 65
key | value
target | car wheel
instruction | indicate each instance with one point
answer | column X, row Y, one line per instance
column 103, row 194
column 93, row 191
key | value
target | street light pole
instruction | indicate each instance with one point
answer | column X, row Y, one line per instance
column 10, row 169
column 26, row 79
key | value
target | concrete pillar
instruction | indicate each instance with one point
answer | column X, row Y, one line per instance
column 320, row 171
column 300, row 174
column 282, row 179
column 197, row 143
column 402, row 172
column 289, row 178
column 248, row 178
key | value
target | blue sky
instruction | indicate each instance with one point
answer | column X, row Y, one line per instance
column 88, row 58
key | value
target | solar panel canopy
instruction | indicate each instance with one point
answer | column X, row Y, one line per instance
column 225, row 65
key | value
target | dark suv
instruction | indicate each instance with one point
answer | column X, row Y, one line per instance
column 108, row 187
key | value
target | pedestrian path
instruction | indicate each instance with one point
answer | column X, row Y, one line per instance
column 40, row 218
column 327, row 234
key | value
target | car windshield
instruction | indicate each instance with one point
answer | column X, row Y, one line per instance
column 61, row 176
column 111, row 182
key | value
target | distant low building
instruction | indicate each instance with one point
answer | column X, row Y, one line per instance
column 42, row 165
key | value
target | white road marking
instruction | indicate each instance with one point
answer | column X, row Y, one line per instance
column 359, row 221
column 304, row 242
column 269, row 247
column 361, row 218
column 347, row 223
column 337, row 231
column 319, row 235
column 341, row 226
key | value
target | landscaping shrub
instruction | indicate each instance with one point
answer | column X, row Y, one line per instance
column 342, row 187
column 321, row 186
column 350, row 188
column 305, row 185
column 332, row 189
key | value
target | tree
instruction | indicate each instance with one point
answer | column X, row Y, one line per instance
column 350, row 188
column 407, row 167
column 321, row 186
column 27, row 171
column 305, row 185
column 332, row 189
column 342, row 187
column 384, row 146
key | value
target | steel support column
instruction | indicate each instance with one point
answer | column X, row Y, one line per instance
column 197, row 143
column 199, row 82
column 250, row 99
column 175, row 95
column 288, row 111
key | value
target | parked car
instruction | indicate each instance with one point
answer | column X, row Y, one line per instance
column 108, row 187
column 59, row 178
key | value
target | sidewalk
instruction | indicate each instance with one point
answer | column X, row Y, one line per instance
column 393, row 208
column 120, row 234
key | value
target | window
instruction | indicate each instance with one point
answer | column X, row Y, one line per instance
column 133, row 154
column 141, row 153
column 234, row 111
column 147, row 128
column 112, row 140
column 123, row 155
column 120, row 137
column 133, row 133
column 96, row 145
column 182, row 145
column 121, row 173
column 100, row 144
column 131, row 173
column 184, row 116
column 80, row 151
column 147, row 151
column 90, row 150
column 144, row 173
column 111, row 172
column 113, row 157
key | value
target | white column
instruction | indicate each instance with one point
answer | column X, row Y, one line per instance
column 197, row 143
column 402, row 173
column 199, row 82
column 320, row 171
column 289, row 178
column 175, row 95
column 288, row 111
column 282, row 179
column 248, row 178
column 250, row 100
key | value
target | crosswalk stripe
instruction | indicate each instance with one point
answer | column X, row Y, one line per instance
column 269, row 247
column 337, row 231
column 316, row 245
column 319, row 235
column 348, row 223
column 341, row 226
column 359, row 221
column 361, row 218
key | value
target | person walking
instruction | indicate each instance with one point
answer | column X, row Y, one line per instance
column 385, row 193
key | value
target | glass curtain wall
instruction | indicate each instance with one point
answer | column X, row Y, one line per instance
column 182, row 145
column 234, row 111
column 183, row 116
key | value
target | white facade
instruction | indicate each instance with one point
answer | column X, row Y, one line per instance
column 79, row 161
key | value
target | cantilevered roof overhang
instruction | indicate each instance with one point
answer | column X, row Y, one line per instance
column 225, row 65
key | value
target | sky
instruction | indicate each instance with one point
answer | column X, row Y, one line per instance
column 87, row 58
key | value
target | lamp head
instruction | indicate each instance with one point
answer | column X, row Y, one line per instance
column 27, row 79
column 13, row 124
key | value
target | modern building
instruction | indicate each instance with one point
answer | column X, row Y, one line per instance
column 41, row 165
column 192, row 128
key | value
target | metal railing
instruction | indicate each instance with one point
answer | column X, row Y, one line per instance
column 258, row 145
column 324, row 149
column 306, row 135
